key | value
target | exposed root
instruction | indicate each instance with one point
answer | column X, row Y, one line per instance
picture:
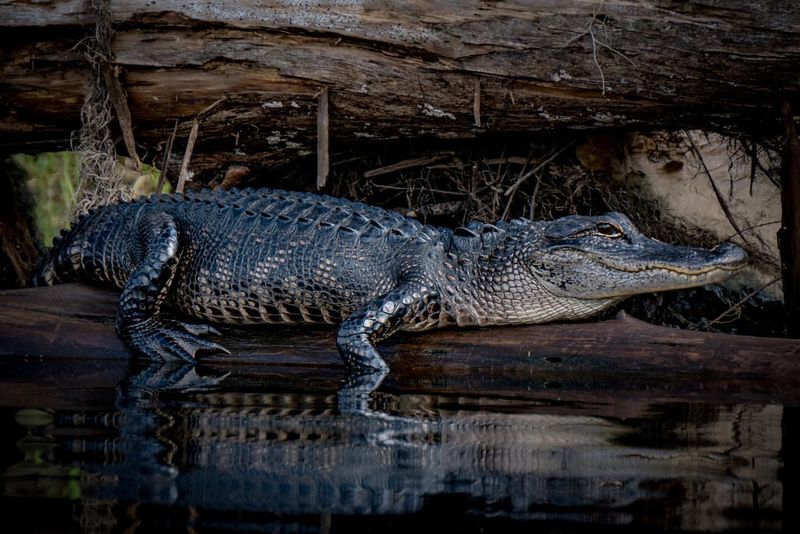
column 734, row 311
column 594, row 25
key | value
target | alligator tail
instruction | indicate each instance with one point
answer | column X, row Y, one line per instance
column 62, row 262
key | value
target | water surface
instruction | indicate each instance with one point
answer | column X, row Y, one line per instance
column 277, row 455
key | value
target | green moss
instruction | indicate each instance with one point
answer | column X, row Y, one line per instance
column 52, row 178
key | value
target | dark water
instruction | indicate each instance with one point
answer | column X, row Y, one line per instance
column 279, row 457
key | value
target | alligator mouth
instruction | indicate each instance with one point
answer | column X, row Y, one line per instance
column 692, row 262
column 724, row 259
column 690, row 273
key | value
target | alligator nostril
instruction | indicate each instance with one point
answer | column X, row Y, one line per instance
column 730, row 252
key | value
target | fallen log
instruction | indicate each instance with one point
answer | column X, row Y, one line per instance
column 444, row 69
column 71, row 326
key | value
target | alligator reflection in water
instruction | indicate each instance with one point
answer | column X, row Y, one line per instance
column 687, row 466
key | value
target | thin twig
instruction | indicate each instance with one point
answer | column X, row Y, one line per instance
column 514, row 160
column 187, row 155
column 724, row 205
column 511, row 196
column 749, row 228
column 747, row 297
column 508, row 205
column 553, row 155
column 163, row 177
column 535, row 193
column 407, row 164
column 405, row 188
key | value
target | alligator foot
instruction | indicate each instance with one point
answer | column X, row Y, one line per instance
column 165, row 340
column 353, row 397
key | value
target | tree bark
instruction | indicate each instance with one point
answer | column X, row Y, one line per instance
column 789, row 234
column 403, row 69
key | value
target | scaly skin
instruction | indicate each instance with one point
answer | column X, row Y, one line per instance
column 267, row 256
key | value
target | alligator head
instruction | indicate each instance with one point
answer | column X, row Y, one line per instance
column 607, row 257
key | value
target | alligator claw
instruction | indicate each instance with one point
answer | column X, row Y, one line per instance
column 161, row 340
column 199, row 329
column 191, row 345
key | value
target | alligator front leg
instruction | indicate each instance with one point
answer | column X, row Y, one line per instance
column 139, row 323
column 408, row 304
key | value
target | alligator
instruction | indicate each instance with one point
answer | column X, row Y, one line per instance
column 259, row 256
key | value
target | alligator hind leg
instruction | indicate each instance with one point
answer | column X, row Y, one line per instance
column 138, row 319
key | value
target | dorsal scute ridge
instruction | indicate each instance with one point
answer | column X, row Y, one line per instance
column 477, row 236
column 297, row 207
column 325, row 211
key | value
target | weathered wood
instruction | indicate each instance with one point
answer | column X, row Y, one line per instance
column 605, row 360
column 323, row 148
column 403, row 69
column 789, row 234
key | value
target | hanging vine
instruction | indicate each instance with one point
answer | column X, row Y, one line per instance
column 99, row 182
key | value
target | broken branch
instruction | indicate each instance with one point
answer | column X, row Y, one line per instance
column 187, row 155
column 323, row 156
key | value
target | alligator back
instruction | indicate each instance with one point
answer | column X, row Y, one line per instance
column 252, row 256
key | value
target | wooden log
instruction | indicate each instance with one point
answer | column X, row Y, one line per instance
column 609, row 360
column 443, row 69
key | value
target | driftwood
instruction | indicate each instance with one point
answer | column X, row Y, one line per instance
column 403, row 69
column 623, row 358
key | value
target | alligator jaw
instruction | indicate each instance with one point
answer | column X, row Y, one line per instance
column 666, row 279
column 726, row 258
column 601, row 269
column 697, row 267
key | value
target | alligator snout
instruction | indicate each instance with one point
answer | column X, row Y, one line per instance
column 730, row 256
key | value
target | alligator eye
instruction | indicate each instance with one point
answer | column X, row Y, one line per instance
column 608, row 230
